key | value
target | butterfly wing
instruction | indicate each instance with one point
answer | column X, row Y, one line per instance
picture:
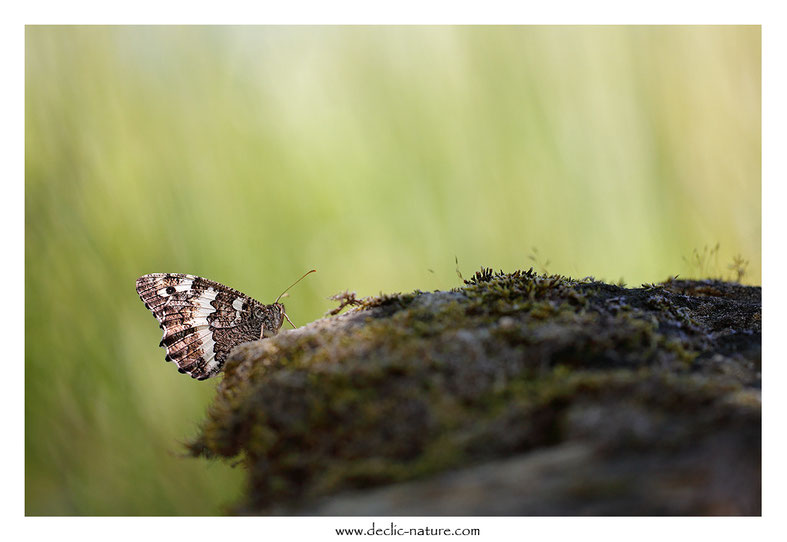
column 202, row 320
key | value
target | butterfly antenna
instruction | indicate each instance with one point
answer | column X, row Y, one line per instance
column 293, row 284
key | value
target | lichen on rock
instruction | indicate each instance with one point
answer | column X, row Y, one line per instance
column 516, row 394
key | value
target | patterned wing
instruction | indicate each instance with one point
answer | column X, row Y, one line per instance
column 202, row 320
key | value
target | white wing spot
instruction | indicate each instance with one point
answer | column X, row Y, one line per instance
column 203, row 313
column 182, row 287
column 209, row 355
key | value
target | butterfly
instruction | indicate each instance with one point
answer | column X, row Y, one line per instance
column 203, row 320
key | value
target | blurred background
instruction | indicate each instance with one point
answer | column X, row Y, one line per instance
column 377, row 155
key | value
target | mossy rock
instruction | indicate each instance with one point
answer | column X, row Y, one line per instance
column 517, row 394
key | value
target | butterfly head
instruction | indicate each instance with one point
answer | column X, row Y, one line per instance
column 278, row 312
column 270, row 318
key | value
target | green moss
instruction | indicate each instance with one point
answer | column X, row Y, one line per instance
column 406, row 386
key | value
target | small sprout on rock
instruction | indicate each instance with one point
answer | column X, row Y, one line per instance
column 536, row 259
column 738, row 266
column 345, row 299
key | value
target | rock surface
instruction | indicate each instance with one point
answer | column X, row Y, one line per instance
column 518, row 394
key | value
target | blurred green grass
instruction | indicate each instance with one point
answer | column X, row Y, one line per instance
column 374, row 154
